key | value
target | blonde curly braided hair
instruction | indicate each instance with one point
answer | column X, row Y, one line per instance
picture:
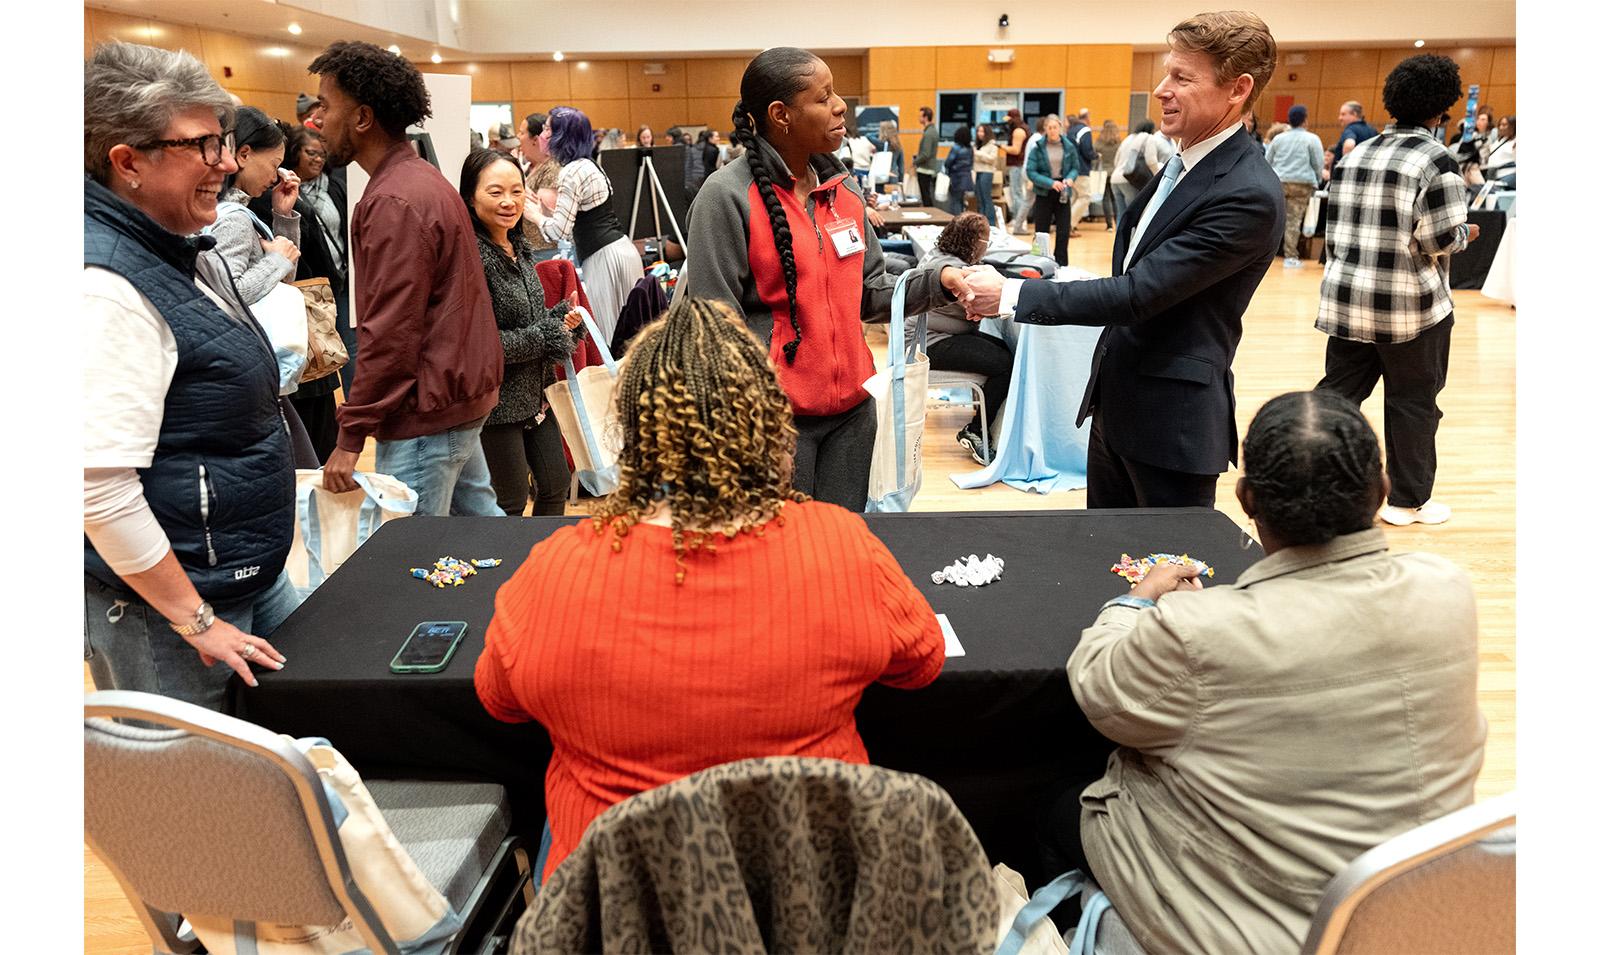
column 706, row 430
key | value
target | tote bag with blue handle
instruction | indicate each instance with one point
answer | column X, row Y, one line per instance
column 901, row 393
column 1030, row 931
column 329, row 527
column 584, row 408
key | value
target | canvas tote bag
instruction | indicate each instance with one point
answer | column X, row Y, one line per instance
column 329, row 527
column 416, row 916
column 901, row 394
column 281, row 314
column 584, row 408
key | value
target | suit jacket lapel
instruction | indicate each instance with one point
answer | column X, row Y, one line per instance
column 1195, row 185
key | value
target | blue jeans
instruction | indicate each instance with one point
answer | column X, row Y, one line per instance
column 986, row 196
column 447, row 470
column 1019, row 197
column 129, row 646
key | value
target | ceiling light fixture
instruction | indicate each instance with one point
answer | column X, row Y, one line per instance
column 558, row 56
column 294, row 28
column 1420, row 43
column 436, row 58
column 394, row 48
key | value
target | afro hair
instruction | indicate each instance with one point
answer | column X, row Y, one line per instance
column 1421, row 88
column 383, row 81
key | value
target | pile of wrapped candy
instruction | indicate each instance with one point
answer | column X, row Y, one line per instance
column 1134, row 570
column 450, row 572
column 970, row 571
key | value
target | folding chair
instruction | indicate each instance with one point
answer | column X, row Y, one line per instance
column 1449, row 885
column 195, row 812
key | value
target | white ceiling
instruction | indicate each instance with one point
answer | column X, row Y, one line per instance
column 597, row 29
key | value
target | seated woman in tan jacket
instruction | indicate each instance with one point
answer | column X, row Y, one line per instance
column 1274, row 729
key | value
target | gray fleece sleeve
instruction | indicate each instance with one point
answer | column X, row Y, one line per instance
column 923, row 291
column 718, row 262
column 254, row 270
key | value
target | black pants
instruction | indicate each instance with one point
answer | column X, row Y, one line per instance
column 925, row 187
column 1061, row 831
column 979, row 354
column 1117, row 481
column 833, row 456
column 1413, row 374
column 319, row 414
column 1051, row 208
column 525, row 459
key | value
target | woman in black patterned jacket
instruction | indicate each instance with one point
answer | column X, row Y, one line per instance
column 521, row 439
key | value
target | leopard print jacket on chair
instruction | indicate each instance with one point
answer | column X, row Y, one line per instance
column 783, row 854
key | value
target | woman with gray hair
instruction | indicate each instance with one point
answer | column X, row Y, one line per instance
column 188, row 501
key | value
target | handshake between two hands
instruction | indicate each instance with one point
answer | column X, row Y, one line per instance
column 976, row 287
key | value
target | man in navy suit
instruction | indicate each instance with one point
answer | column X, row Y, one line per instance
column 1189, row 253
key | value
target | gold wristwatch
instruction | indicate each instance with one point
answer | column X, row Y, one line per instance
column 203, row 619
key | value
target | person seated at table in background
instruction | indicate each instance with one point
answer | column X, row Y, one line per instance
column 521, row 440
column 180, row 398
column 955, row 344
column 724, row 616
column 1274, row 729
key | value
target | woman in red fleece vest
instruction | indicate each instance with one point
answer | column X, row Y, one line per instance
column 781, row 235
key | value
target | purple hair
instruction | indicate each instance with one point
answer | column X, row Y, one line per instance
column 571, row 136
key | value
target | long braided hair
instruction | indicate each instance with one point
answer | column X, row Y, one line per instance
column 776, row 75
column 706, row 430
column 1311, row 462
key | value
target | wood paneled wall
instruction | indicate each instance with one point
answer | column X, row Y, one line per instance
column 266, row 74
column 1093, row 76
column 619, row 93
column 1323, row 80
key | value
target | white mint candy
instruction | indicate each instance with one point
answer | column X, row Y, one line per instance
column 961, row 582
column 938, row 576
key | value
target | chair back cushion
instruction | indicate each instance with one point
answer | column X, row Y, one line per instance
column 200, row 827
column 1462, row 901
column 784, row 854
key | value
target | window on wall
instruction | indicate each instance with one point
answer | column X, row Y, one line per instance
column 971, row 107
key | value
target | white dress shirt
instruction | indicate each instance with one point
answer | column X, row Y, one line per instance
column 1191, row 156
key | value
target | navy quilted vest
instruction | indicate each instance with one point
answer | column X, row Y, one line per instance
column 222, row 482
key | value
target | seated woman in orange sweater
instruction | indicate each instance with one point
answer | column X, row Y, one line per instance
column 709, row 612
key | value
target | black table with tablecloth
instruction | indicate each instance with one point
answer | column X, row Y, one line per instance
column 1470, row 266
column 999, row 729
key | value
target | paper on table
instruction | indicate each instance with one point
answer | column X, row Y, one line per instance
column 915, row 215
column 952, row 643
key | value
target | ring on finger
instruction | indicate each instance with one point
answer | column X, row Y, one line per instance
column 248, row 651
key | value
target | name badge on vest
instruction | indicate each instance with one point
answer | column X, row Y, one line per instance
column 847, row 238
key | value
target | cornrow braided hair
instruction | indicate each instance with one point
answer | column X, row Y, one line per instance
column 1311, row 462
column 706, row 430
column 745, row 135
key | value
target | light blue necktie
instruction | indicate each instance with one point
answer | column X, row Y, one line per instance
column 1169, row 180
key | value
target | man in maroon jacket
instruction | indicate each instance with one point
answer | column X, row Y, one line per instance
column 431, row 360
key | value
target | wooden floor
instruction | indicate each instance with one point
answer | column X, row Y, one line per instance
column 1282, row 351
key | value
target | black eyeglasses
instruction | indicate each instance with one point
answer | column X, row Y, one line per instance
column 210, row 145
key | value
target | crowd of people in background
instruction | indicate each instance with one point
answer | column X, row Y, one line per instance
column 198, row 212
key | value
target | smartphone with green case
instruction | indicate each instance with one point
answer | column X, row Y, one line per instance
column 429, row 648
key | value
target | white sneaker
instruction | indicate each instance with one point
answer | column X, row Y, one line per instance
column 1430, row 513
column 1291, row 263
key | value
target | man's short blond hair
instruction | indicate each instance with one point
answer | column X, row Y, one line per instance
column 1237, row 40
